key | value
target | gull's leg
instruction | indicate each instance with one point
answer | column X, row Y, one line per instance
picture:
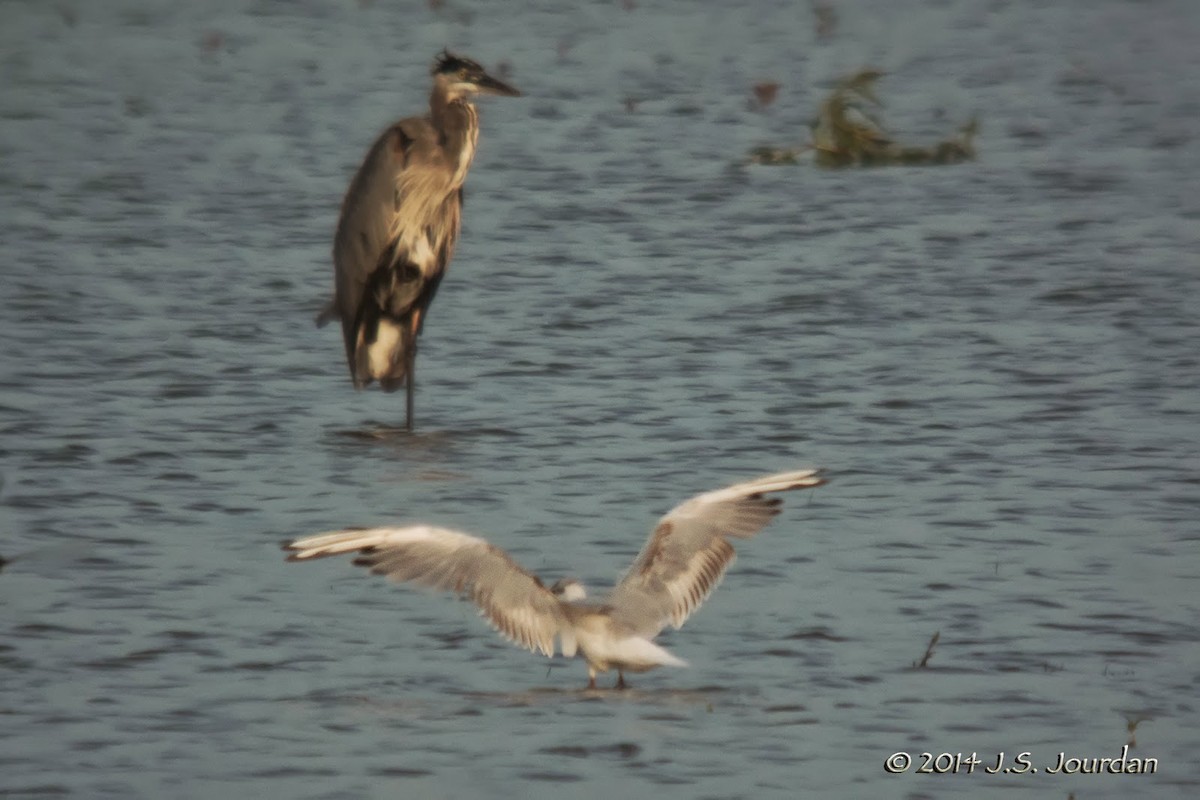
column 620, row 680
column 591, row 677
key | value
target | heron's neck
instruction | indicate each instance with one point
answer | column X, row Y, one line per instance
column 455, row 121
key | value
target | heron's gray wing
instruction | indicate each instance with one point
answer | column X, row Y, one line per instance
column 512, row 599
column 689, row 550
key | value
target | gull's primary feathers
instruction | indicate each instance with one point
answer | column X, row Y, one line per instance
column 682, row 562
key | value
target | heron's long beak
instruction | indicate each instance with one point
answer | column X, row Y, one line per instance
column 489, row 85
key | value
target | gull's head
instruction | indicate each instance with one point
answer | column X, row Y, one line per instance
column 568, row 590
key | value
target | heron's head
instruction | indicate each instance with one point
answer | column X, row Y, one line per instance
column 462, row 77
column 569, row 590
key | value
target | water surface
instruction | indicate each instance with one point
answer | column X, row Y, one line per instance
column 996, row 363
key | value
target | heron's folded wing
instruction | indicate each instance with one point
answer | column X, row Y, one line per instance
column 366, row 230
column 689, row 550
column 512, row 599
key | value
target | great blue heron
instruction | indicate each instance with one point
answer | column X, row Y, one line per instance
column 399, row 223
column 682, row 562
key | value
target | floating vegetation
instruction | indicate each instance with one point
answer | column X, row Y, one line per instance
column 764, row 94
column 824, row 21
column 1131, row 723
column 765, row 154
column 846, row 130
column 848, row 133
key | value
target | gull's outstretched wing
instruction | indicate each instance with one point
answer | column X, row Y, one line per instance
column 512, row 599
column 689, row 550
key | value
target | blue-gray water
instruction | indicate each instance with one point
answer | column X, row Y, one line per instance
column 996, row 362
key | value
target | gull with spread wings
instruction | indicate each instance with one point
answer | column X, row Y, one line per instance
column 682, row 562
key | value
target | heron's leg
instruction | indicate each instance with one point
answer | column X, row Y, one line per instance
column 409, row 375
column 620, row 680
column 408, row 391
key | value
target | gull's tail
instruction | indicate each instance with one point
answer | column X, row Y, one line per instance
column 639, row 654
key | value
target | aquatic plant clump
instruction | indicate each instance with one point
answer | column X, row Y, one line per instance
column 849, row 133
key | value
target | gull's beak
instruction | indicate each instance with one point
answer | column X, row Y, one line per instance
column 489, row 85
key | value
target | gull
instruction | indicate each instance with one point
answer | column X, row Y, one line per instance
column 684, row 559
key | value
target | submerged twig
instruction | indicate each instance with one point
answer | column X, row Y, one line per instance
column 924, row 662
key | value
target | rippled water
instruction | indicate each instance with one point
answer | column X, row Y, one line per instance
column 996, row 362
